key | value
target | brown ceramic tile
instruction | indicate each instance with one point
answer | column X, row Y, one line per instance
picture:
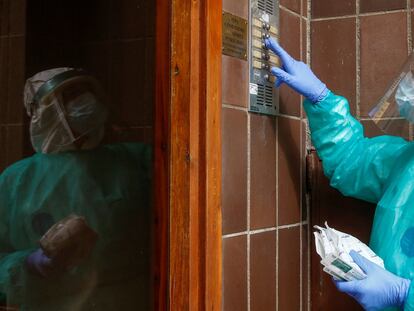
column 17, row 16
column 289, row 161
column 48, row 15
column 290, row 37
column 129, row 19
column 263, row 172
column 289, row 269
column 290, row 33
column 412, row 21
column 305, row 268
column 328, row 8
column 335, row 66
column 4, row 77
column 94, row 18
column 381, row 5
column 116, row 134
column 304, row 134
column 12, row 70
column 237, row 7
column 235, row 90
column 95, row 58
column 14, row 143
column 396, row 128
column 383, row 51
column 16, row 80
column 294, row 5
column 3, row 146
column 235, row 274
column 128, row 83
column 263, row 271
column 304, row 40
column 234, row 199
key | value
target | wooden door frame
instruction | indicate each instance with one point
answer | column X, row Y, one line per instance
column 188, row 265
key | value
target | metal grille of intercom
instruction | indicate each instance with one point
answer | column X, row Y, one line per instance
column 265, row 95
column 267, row 6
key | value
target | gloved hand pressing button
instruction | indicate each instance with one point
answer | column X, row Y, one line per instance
column 296, row 75
column 379, row 290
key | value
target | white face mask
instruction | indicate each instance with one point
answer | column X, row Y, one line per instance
column 56, row 127
column 404, row 97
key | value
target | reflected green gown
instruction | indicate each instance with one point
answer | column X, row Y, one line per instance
column 109, row 186
column 379, row 170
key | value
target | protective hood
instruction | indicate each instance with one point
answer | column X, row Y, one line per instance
column 67, row 110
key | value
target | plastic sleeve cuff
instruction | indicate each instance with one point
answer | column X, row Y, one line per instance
column 321, row 96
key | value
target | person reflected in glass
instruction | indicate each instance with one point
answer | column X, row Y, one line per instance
column 74, row 217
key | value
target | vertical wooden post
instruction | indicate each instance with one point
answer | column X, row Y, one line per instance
column 195, row 156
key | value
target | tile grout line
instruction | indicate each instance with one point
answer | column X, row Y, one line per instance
column 14, row 36
column 235, row 107
column 11, row 124
column 277, row 213
column 290, row 226
column 292, row 12
column 358, row 59
column 409, row 28
column 264, row 230
column 301, row 219
column 307, row 138
column 360, row 14
column 301, row 168
column 233, row 235
column 249, row 140
column 410, row 48
column 289, row 117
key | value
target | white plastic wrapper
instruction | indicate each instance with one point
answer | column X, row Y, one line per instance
column 334, row 246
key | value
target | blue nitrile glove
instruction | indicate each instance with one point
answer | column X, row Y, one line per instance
column 296, row 75
column 379, row 290
column 38, row 263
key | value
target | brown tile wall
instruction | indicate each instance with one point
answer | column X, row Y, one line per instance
column 112, row 39
column 355, row 47
column 12, row 73
column 265, row 245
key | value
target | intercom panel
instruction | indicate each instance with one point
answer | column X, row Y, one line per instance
column 264, row 23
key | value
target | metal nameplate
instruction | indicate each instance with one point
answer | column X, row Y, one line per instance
column 235, row 34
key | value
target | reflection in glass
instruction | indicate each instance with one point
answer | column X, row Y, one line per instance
column 396, row 106
column 87, row 204
column 75, row 211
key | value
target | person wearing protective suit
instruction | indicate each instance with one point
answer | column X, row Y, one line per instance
column 100, row 262
column 378, row 170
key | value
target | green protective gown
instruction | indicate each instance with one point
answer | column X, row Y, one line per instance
column 378, row 170
column 109, row 186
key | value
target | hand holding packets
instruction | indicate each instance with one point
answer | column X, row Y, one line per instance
column 334, row 247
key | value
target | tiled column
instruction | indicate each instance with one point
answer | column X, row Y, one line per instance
column 293, row 261
column 264, row 229
column 12, row 77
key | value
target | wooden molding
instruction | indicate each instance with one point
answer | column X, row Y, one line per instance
column 195, row 160
column 188, row 254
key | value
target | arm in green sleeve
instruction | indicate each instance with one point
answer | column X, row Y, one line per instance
column 357, row 166
column 12, row 261
column 13, row 274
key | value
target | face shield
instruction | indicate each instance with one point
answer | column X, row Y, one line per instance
column 67, row 110
column 397, row 104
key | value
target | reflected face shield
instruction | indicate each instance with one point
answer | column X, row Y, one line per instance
column 68, row 113
column 396, row 106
